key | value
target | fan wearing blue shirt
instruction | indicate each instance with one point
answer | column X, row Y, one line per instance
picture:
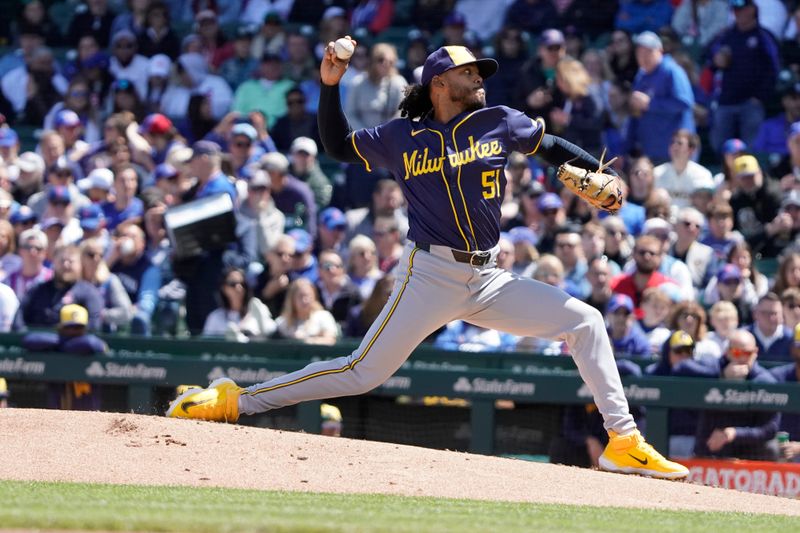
column 627, row 337
column 126, row 207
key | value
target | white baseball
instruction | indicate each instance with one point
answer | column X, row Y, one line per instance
column 343, row 48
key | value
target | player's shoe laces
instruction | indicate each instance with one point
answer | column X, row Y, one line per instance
column 218, row 402
column 630, row 454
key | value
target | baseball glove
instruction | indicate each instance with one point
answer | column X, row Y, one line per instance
column 601, row 190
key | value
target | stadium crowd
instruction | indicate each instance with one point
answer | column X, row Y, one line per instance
column 115, row 113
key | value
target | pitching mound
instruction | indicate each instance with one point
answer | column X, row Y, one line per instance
column 147, row 450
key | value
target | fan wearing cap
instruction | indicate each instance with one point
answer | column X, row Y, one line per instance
column 259, row 210
column 126, row 63
column 305, row 167
column 161, row 136
column 304, row 263
column 69, row 126
column 756, row 204
column 448, row 152
column 331, row 231
column 627, row 337
column 239, row 68
column 79, row 100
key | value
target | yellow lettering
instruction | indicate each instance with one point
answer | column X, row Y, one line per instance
column 408, row 162
column 415, row 165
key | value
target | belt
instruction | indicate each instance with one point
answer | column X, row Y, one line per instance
column 479, row 258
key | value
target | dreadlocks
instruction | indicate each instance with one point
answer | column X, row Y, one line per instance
column 417, row 102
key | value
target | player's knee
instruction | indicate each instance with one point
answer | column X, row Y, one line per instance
column 366, row 381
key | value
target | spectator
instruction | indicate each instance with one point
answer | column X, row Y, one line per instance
column 300, row 65
column 775, row 134
column 790, row 301
column 465, row 337
column 162, row 140
column 691, row 318
column 158, row 37
column 772, row 337
column 204, row 165
column 575, row 115
column 304, row 166
column 10, row 262
column 42, row 303
column 740, row 434
column 78, row 100
column 32, row 247
column 35, row 87
column 524, row 240
column 647, row 256
column 215, row 46
column 141, row 279
column 266, row 93
column 746, row 59
column 388, row 242
column 700, row 21
column 454, row 31
column 273, row 282
column 593, row 240
column 292, row 197
column 259, row 210
column 125, row 97
column 97, row 185
column 243, row 147
column 22, row 219
column 618, row 247
column 534, row 89
column 621, row 57
column 239, row 68
column 698, row 257
column 303, row 318
column 729, row 285
column 304, row 263
column 92, row 18
column 30, row 173
column 790, row 422
column 681, row 175
column 637, row 16
column 93, row 225
column 569, row 252
column 627, row 338
column 127, row 208
column 297, row 122
column 241, row 317
column 641, row 180
column 337, row 292
column 682, row 423
column 126, row 63
column 724, row 319
column 387, row 200
column 331, row 231
column 9, row 305
column 362, row 316
column 551, row 208
column 721, row 236
column 661, row 102
column 671, row 266
column 194, row 77
column 532, row 16
column 117, row 308
column 374, row 96
column 159, row 68
column 272, row 35
column 71, row 338
column 788, row 273
column 599, row 276
column 756, row 207
column 655, row 306
column 363, row 264
column 505, row 254
column 741, row 256
column 511, row 53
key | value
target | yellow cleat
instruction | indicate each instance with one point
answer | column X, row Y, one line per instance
column 630, row 454
column 219, row 402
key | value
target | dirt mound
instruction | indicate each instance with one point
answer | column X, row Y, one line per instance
column 148, row 450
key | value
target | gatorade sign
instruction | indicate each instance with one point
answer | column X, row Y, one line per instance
column 760, row 477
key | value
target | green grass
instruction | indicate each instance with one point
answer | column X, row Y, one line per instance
column 133, row 508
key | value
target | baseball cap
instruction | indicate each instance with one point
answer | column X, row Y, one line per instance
column 30, row 162
column 159, row 65
column 205, row 148
column 733, row 146
column 793, row 198
column 648, row 39
column 454, row 18
column 59, row 193
column 450, row 57
column 304, row 144
column 333, row 218
column 619, row 301
column 123, row 34
column 155, row 124
column 260, row 178
column 523, row 234
column 534, row 189
column 302, row 240
column 73, row 315
column 549, row 200
column 272, row 18
column 246, row 31
column 62, row 163
column 67, row 118
column 681, row 339
column 551, row 37
column 163, row 171
column 99, row 178
column 205, row 14
column 22, row 215
column 729, row 272
column 274, row 161
column 91, row 217
column 796, row 335
column 8, row 137
column 333, row 12
column 243, row 128
column 705, row 183
column 745, row 165
column 656, row 224
column 123, row 85
column 50, row 222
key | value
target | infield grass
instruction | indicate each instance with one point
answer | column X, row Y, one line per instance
column 73, row 506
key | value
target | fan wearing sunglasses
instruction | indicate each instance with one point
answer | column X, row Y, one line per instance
column 240, row 317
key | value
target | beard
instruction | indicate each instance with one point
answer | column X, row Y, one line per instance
column 470, row 99
column 645, row 269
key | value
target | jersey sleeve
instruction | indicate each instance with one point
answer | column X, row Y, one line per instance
column 373, row 145
column 525, row 133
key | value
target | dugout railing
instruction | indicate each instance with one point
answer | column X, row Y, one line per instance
column 142, row 365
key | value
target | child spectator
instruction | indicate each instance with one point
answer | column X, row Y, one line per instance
column 655, row 306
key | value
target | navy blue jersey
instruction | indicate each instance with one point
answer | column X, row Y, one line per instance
column 452, row 174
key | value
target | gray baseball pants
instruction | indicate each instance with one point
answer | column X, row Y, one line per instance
column 431, row 290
